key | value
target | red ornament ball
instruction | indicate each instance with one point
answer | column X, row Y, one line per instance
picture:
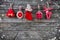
column 39, row 15
column 19, row 14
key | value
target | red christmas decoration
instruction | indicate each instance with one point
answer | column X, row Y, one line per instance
column 28, row 13
column 48, row 12
column 19, row 13
column 10, row 13
column 39, row 15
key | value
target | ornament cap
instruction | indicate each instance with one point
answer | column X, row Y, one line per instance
column 28, row 8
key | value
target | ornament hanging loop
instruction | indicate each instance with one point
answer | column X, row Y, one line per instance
column 47, row 4
column 20, row 7
column 11, row 5
column 38, row 7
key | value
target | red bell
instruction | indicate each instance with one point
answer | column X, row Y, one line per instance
column 28, row 13
column 39, row 15
column 10, row 13
column 19, row 13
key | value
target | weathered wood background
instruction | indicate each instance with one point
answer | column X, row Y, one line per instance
column 16, row 29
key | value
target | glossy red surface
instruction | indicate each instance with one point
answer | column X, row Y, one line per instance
column 48, row 14
column 10, row 13
column 28, row 15
column 39, row 15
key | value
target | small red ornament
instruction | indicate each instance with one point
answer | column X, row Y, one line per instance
column 19, row 13
column 39, row 15
column 28, row 13
column 10, row 13
column 48, row 12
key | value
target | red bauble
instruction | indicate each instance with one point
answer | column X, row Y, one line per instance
column 39, row 15
column 10, row 13
column 19, row 14
column 48, row 14
column 28, row 15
